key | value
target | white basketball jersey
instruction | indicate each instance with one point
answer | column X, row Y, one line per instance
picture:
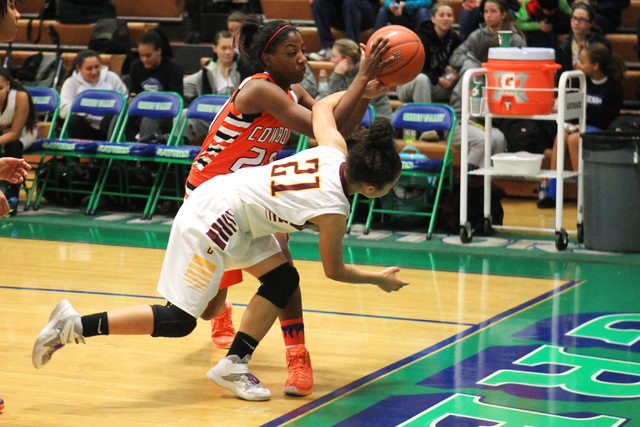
column 282, row 196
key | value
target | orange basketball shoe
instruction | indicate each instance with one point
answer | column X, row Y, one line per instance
column 300, row 380
column 222, row 331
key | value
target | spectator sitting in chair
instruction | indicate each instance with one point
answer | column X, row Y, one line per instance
column 219, row 76
column 88, row 72
column 156, row 70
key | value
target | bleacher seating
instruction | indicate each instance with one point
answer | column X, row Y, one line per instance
column 114, row 62
column 71, row 35
column 136, row 10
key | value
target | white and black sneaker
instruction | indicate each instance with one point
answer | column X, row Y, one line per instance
column 233, row 374
column 64, row 327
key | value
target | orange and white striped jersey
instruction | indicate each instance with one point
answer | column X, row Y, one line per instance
column 237, row 140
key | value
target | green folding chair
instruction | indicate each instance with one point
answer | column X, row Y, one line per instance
column 46, row 101
column 96, row 102
column 121, row 153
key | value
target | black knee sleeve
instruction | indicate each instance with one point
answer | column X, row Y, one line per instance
column 171, row 321
column 279, row 284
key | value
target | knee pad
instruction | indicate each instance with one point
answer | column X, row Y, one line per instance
column 278, row 285
column 170, row 321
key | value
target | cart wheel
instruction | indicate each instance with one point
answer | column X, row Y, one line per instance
column 562, row 239
column 580, row 233
column 487, row 228
column 465, row 236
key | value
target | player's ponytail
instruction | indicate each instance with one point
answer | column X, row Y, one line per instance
column 374, row 159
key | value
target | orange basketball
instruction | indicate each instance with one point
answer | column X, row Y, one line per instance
column 407, row 53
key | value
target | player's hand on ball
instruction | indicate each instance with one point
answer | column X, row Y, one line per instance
column 390, row 281
column 374, row 89
column 372, row 61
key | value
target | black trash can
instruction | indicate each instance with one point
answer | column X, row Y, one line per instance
column 611, row 191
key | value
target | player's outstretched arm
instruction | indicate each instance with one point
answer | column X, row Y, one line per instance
column 324, row 123
column 332, row 228
column 353, row 105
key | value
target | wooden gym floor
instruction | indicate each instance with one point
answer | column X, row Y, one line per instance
column 473, row 315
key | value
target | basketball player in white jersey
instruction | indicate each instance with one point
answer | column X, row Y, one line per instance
column 228, row 223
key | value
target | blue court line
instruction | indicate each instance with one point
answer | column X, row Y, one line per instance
column 290, row 416
column 239, row 305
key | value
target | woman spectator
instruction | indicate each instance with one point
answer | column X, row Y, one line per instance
column 219, row 76
column 88, row 72
column 472, row 15
column 584, row 31
column 156, row 70
column 608, row 13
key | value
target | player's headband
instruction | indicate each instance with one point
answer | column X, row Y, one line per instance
column 271, row 39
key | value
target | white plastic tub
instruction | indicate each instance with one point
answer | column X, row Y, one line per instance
column 520, row 163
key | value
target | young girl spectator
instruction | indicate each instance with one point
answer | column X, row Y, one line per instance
column 346, row 54
column 88, row 72
column 18, row 127
column 472, row 15
column 220, row 75
column 250, row 131
column 604, row 71
column 584, row 31
column 437, row 79
column 156, row 70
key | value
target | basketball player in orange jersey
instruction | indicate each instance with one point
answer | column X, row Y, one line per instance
column 249, row 131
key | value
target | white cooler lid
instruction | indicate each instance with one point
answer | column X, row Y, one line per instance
column 522, row 54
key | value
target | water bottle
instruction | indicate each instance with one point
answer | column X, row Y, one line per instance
column 323, row 84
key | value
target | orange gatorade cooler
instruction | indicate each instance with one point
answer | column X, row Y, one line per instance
column 516, row 78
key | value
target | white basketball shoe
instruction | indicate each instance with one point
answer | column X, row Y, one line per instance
column 64, row 327
column 233, row 374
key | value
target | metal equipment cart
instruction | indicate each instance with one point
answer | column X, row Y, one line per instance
column 571, row 105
